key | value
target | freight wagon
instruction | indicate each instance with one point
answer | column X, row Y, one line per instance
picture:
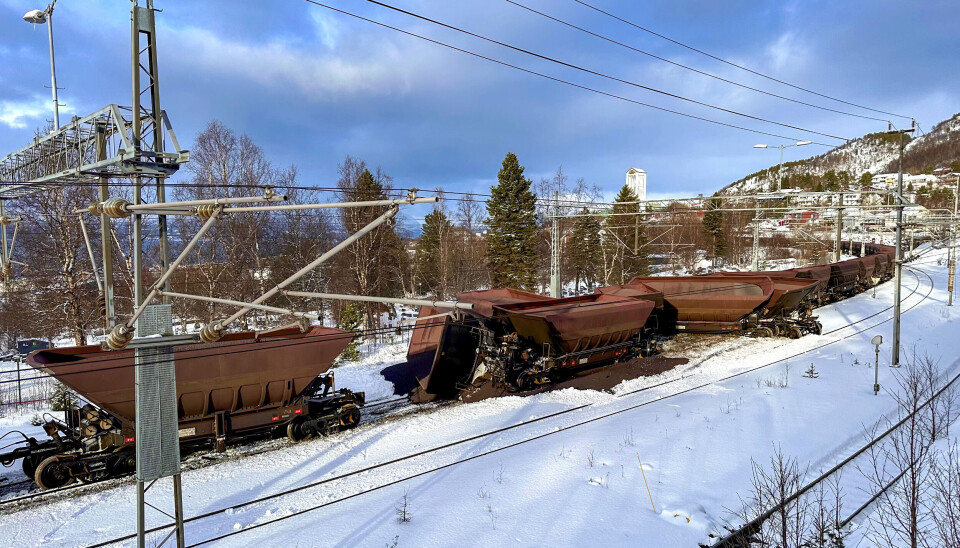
column 244, row 385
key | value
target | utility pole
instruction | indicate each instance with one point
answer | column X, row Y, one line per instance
column 836, row 251
column 898, row 259
column 952, row 249
column 555, row 248
column 756, row 238
column 106, row 237
column 151, row 381
column 636, row 232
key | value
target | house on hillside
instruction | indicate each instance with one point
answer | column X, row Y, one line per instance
column 799, row 217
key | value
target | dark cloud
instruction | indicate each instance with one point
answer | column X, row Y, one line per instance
column 312, row 86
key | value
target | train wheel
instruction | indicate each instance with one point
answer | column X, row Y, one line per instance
column 53, row 473
column 818, row 329
column 295, row 431
column 29, row 466
column 763, row 332
column 775, row 329
column 794, row 333
column 349, row 416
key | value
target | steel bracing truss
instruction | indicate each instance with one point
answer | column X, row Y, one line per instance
column 72, row 154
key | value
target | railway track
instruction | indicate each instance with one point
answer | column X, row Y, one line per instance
column 739, row 537
column 556, row 430
column 22, row 493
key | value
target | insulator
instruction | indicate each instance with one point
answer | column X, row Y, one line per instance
column 4, row 220
column 90, row 414
column 106, row 423
column 102, row 304
column 119, row 337
column 212, row 332
column 116, row 208
column 206, row 211
column 96, row 209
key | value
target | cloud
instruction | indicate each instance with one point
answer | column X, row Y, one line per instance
column 20, row 114
column 278, row 64
column 327, row 30
column 786, row 54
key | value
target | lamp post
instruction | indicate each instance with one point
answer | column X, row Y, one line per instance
column 780, row 165
column 876, row 342
column 755, row 264
column 38, row 17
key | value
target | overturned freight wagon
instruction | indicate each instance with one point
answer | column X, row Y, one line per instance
column 246, row 383
column 521, row 340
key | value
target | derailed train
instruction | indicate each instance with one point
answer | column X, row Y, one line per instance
column 275, row 383
column 522, row 341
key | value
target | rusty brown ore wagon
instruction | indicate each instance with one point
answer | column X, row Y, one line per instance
column 789, row 310
column 523, row 340
column 710, row 304
column 245, row 384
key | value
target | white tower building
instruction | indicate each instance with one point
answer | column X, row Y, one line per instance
column 637, row 181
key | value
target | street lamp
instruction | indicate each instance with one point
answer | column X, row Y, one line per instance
column 876, row 341
column 38, row 17
column 780, row 165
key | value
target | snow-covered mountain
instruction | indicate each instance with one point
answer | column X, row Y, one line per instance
column 874, row 153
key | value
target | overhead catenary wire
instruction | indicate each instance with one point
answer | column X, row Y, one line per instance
column 558, row 80
column 596, row 73
column 741, row 67
column 704, row 73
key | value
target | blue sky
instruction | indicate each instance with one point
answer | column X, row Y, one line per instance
column 311, row 86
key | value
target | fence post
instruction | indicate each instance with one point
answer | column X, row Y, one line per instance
column 19, row 390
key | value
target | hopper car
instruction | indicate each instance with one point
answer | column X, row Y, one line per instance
column 247, row 384
column 523, row 340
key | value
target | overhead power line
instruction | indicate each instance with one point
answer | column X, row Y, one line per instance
column 732, row 64
column 714, row 76
column 601, row 74
column 555, row 79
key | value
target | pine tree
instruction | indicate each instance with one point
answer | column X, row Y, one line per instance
column 713, row 225
column 583, row 250
column 430, row 258
column 512, row 239
column 632, row 239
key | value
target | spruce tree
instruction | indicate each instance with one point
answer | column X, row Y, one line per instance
column 351, row 319
column 713, row 225
column 430, row 251
column 584, row 254
column 373, row 264
column 512, row 222
column 631, row 235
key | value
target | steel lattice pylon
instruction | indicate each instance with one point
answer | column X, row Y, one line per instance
column 69, row 155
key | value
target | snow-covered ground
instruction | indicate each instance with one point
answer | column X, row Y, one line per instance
column 568, row 479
